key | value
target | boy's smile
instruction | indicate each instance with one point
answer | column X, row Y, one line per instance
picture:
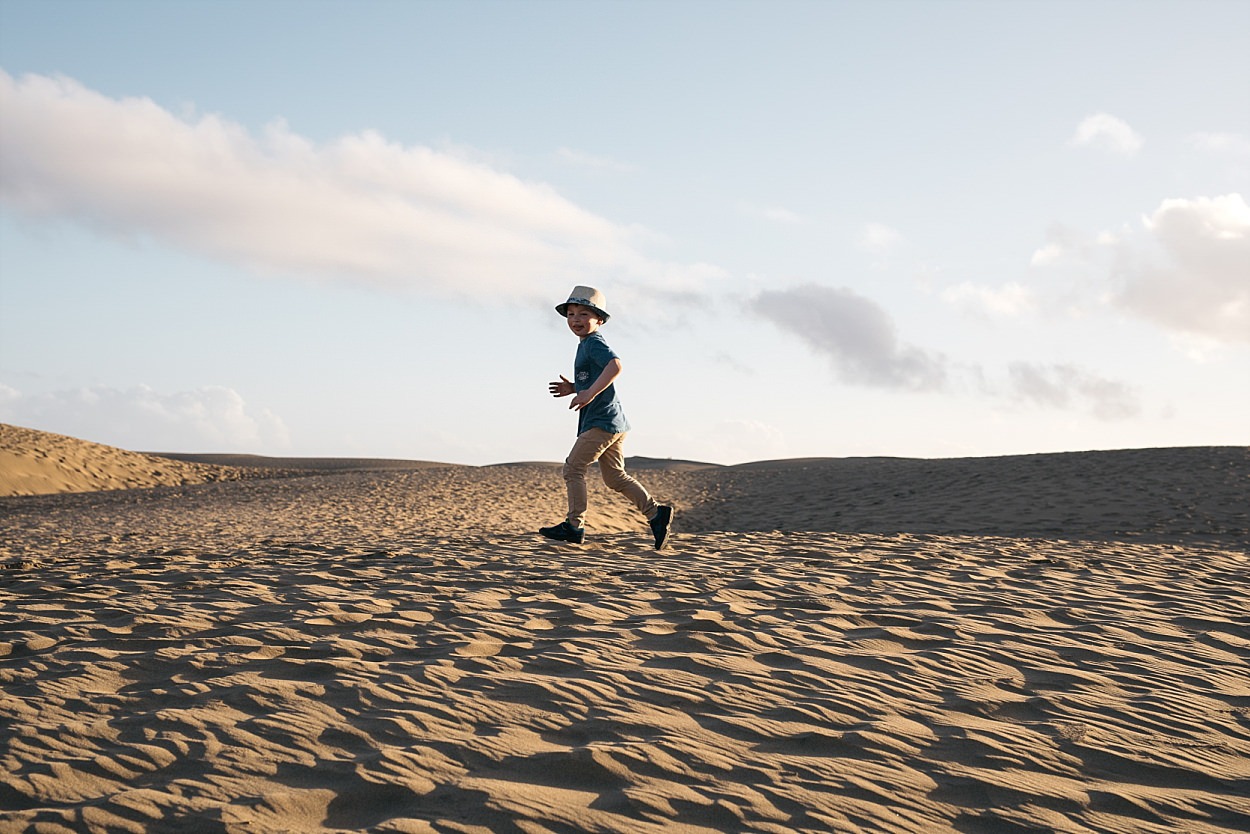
column 582, row 320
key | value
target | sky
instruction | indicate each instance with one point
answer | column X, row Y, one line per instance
column 823, row 229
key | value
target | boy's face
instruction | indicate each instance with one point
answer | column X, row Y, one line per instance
column 582, row 320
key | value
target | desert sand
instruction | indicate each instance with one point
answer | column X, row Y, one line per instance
column 37, row 463
column 1034, row 643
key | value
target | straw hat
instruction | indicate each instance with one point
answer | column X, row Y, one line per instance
column 587, row 297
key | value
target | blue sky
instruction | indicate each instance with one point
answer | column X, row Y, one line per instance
column 824, row 228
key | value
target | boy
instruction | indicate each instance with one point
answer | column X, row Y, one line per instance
column 601, row 424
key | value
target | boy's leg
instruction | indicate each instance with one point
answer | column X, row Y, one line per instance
column 612, row 467
column 589, row 446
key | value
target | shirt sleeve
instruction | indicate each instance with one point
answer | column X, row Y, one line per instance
column 600, row 353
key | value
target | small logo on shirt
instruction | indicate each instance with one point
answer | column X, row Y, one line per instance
column 582, row 376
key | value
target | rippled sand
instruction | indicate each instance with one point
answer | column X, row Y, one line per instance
column 1045, row 643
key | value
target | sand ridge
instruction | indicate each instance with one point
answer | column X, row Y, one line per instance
column 397, row 652
column 38, row 463
column 1164, row 493
column 302, row 464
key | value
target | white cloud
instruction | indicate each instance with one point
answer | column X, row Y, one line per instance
column 1221, row 143
column 212, row 418
column 1185, row 267
column 360, row 208
column 581, row 159
column 1066, row 246
column 773, row 214
column 855, row 333
column 1049, row 254
column 1108, row 133
column 1201, row 350
column 1201, row 284
column 879, row 238
column 1009, row 300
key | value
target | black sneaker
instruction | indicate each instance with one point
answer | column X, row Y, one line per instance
column 564, row 532
column 660, row 524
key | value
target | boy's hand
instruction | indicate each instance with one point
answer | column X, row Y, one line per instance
column 582, row 400
column 560, row 389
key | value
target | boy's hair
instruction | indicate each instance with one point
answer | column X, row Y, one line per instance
column 599, row 314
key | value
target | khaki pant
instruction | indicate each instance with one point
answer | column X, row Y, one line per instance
column 603, row 446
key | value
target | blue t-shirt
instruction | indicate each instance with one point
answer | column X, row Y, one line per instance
column 604, row 412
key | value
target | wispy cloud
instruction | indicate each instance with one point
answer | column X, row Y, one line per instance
column 1234, row 144
column 582, row 159
column 1201, row 284
column 879, row 238
column 211, row 418
column 859, row 339
column 854, row 333
column 1065, row 386
column 361, row 208
column 1009, row 300
column 1065, row 245
column 1107, row 132
column 773, row 214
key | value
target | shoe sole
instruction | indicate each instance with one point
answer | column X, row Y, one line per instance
column 552, row 538
column 661, row 536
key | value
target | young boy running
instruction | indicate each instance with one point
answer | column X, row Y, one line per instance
column 601, row 424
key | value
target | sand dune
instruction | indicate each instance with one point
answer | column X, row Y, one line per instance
column 1041, row 643
column 304, row 464
column 34, row 462
column 37, row 463
column 1138, row 492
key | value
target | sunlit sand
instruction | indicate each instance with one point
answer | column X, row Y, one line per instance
column 1033, row 643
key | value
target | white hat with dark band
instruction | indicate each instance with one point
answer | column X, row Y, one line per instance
column 587, row 297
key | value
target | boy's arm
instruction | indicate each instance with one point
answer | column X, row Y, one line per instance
column 610, row 372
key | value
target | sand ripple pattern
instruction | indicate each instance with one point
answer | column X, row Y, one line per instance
column 754, row 682
column 337, row 654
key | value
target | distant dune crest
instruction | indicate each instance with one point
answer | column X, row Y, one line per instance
column 34, row 462
column 1203, row 491
column 39, row 463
